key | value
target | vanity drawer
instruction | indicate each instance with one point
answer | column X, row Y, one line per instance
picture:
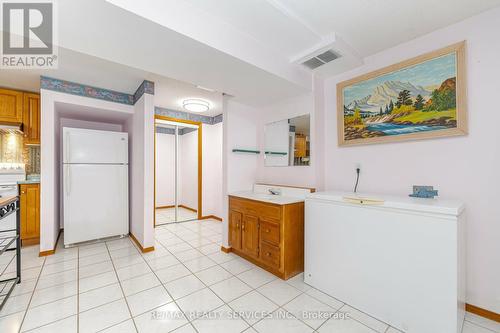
column 270, row 231
column 270, row 254
column 256, row 208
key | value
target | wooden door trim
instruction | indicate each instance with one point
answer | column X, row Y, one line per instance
column 200, row 161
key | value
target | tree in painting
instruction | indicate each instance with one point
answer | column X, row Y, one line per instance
column 419, row 102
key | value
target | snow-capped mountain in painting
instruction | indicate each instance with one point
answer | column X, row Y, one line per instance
column 384, row 93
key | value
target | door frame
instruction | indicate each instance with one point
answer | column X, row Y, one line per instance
column 200, row 159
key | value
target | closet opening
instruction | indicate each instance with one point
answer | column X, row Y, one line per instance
column 178, row 170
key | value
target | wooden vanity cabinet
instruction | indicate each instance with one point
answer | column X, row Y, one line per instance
column 269, row 235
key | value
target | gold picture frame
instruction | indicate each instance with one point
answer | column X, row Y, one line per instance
column 420, row 98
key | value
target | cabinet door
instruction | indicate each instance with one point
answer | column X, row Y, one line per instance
column 30, row 211
column 11, row 106
column 31, row 118
column 270, row 231
column 235, row 219
column 250, row 235
column 300, row 146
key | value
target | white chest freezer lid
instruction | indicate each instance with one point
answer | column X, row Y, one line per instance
column 437, row 205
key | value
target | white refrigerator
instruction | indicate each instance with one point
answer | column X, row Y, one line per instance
column 95, row 184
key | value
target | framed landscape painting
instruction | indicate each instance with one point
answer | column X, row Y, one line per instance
column 420, row 98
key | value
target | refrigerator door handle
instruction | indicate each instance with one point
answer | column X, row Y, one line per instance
column 67, row 183
column 66, row 158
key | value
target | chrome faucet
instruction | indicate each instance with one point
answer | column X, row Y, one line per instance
column 274, row 191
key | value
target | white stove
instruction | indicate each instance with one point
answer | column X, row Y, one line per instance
column 8, row 187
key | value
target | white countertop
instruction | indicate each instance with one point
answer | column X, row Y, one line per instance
column 269, row 198
column 437, row 205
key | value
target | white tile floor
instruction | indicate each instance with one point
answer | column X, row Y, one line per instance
column 167, row 215
column 186, row 285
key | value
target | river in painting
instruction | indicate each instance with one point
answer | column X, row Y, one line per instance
column 395, row 129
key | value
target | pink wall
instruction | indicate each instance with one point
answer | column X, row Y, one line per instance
column 239, row 170
column 462, row 167
column 141, row 166
column 212, row 170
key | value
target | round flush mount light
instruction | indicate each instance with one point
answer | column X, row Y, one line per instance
column 195, row 105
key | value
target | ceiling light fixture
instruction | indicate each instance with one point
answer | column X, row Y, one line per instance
column 195, row 105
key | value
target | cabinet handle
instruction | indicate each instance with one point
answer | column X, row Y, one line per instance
column 268, row 231
column 268, row 254
column 243, row 226
column 237, row 225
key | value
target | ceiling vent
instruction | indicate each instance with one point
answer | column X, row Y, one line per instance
column 321, row 59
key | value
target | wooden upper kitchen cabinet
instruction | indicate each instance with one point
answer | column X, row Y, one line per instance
column 16, row 108
column 30, row 213
column 31, row 118
column 269, row 235
column 11, row 106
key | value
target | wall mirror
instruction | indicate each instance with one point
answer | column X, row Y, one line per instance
column 287, row 142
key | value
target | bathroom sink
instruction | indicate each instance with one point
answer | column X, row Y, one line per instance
column 265, row 196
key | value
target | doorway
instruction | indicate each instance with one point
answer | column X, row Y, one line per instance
column 178, row 165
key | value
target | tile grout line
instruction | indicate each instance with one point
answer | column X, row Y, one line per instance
column 173, row 299
column 34, row 290
column 281, row 306
column 209, row 287
column 254, row 289
column 107, row 285
column 147, row 260
column 123, row 292
column 58, row 262
column 31, row 297
column 232, row 275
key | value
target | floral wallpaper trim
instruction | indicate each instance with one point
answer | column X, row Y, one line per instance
column 188, row 116
column 146, row 87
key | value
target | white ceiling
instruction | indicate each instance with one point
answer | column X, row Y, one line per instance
column 170, row 93
column 273, row 35
column 82, row 68
column 245, row 48
column 77, row 67
column 369, row 26
column 120, row 36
